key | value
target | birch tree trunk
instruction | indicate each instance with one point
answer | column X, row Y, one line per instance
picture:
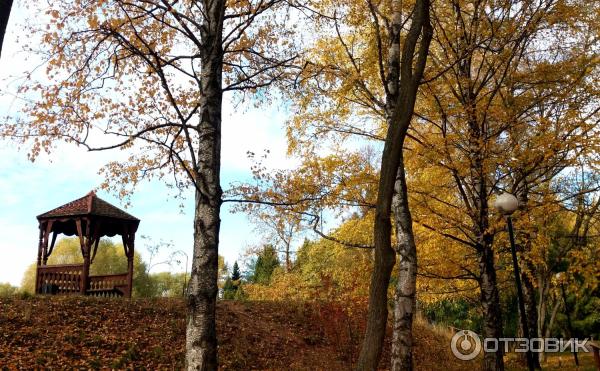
column 548, row 330
column 543, row 291
column 406, row 287
column 410, row 66
column 201, row 336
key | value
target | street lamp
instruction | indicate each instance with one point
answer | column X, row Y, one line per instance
column 561, row 282
column 507, row 204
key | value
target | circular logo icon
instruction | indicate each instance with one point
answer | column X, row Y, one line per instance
column 465, row 345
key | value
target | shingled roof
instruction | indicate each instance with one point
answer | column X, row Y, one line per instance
column 89, row 204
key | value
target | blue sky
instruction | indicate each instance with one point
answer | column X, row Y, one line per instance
column 28, row 189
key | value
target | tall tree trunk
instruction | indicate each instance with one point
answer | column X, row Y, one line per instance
column 5, row 7
column 385, row 257
column 201, row 336
column 406, row 287
column 542, row 303
column 490, row 302
column 288, row 258
column 529, row 299
column 490, row 299
column 411, row 72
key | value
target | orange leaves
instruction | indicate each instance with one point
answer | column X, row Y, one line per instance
column 84, row 332
column 338, row 181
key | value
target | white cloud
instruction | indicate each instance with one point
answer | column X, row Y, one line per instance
column 18, row 248
column 254, row 130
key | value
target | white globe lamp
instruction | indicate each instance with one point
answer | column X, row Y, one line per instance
column 506, row 203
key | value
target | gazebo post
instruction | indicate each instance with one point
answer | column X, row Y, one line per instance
column 128, row 238
column 130, row 273
column 86, row 257
column 39, row 258
column 46, row 235
column 86, row 270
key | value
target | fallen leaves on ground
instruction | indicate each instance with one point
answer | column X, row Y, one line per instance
column 95, row 333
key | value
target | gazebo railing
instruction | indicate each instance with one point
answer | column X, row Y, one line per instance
column 59, row 279
column 108, row 285
column 67, row 279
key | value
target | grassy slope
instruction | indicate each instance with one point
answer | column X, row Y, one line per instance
column 95, row 333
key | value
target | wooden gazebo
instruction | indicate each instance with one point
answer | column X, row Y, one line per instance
column 90, row 218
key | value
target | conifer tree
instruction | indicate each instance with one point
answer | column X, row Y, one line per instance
column 235, row 275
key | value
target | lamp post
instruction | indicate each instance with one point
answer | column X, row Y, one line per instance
column 567, row 312
column 507, row 204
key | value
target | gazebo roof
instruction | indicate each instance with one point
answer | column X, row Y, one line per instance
column 88, row 205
